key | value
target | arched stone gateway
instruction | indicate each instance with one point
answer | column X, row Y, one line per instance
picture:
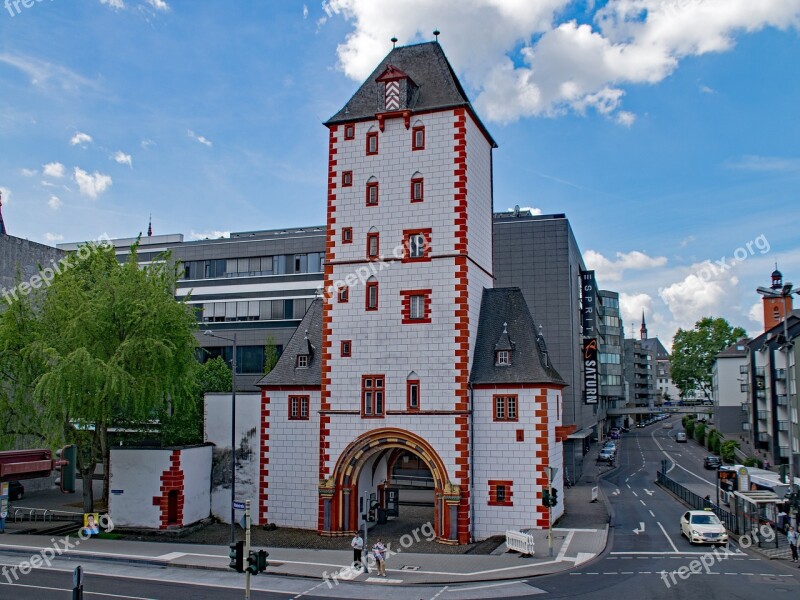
column 339, row 494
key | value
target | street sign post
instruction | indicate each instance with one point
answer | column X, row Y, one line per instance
column 77, row 583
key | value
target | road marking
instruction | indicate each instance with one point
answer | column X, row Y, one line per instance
column 490, row 585
column 443, row 590
column 629, row 485
column 648, row 492
column 639, row 529
column 669, row 539
column 53, row 589
column 652, row 514
column 642, row 501
column 564, row 546
column 634, row 493
column 675, row 464
column 385, row 580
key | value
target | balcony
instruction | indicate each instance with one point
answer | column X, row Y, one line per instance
column 760, row 372
column 780, row 374
column 763, row 437
column 783, row 425
column 763, row 415
column 745, row 407
column 762, row 394
column 783, row 450
column 783, row 400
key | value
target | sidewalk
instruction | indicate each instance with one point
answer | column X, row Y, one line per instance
column 580, row 536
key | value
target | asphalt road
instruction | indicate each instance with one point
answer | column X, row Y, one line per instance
column 646, row 557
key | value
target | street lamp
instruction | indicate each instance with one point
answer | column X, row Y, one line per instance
column 785, row 293
column 233, row 428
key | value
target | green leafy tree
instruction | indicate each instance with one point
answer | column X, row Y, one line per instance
column 112, row 347
column 694, row 352
column 689, row 428
column 270, row 354
column 700, row 433
column 728, row 450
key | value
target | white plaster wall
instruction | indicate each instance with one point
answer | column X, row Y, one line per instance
column 248, row 441
column 293, row 479
column 479, row 195
column 196, row 467
column 137, row 472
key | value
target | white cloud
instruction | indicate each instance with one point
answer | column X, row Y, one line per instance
column 756, row 314
column 116, row 4
column 209, row 235
column 5, row 194
column 701, row 293
column 159, row 5
column 147, row 143
column 305, row 11
column 42, row 74
column 612, row 270
column 707, row 90
column 54, row 202
column 533, row 211
column 80, row 139
column 765, row 163
column 28, row 172
column 203, row 140
column 525, row 60
column 122, row 158
column 54, row 169
column 53, row 237
column 631, row 307
column 92, row 185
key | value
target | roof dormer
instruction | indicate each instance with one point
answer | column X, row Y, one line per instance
column 503, row 349
column 396, row 94
column 304, row 353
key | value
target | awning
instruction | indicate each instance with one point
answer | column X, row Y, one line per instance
column 582, row 434
column 759, row 497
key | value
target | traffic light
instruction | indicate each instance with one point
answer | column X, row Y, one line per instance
column 257, row 562
column 546, row 498
column 784, row 473
column 67, row 456
column 553, row 497
column 236, row 555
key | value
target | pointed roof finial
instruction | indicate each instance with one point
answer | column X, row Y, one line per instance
column 150, row 226
column 436, row 33
column 505, row 327
column 394, row 42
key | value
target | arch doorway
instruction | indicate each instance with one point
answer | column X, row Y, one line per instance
column 374, row 462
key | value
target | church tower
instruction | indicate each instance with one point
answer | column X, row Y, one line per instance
column 775, row 309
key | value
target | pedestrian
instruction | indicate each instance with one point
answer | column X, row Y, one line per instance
column 358, row 549
column 766, row 464
column 379, row 550
column 792, row 537
column 707, row 501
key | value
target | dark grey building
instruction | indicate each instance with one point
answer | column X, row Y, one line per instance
column 611, row 336
column 21, row 260
column 255, row 284
column 639, row 368
column 539, row 254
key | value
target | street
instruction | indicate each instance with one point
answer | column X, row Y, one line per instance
column 646, row 555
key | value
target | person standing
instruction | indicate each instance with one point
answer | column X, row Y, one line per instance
column 379, row 550
column 792, row 538
column 358, row 549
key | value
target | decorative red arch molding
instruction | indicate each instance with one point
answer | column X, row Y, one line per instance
column 339, row 493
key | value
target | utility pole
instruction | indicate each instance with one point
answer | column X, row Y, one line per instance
column 551, row 473
column 365, row 552
column 247, row 548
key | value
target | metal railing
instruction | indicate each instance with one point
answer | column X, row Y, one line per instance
column 697, row 502
column 34, row 515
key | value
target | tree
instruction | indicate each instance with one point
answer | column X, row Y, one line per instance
column 113, row 347
column 728, row 450
column 694, row 352
column 700, row 433
column 270, row 354
column 689, row 427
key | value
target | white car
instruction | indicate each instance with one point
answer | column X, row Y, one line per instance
column 703, row 527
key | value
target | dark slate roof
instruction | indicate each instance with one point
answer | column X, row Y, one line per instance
column 504, row 343
column 428, row 68
column 654, row 345
column 738, row 348
column 507, row 305
column 285, row 371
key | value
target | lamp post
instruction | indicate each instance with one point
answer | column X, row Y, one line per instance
column 551, row 475
column 785, row 293
column 233, row 427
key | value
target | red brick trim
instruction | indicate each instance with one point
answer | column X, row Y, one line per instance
column 370, row 135
column 263, row 475
column 506, row 408
column 493, row 496
column 461, row 442
column 420, row 182
column 406, row 306
column 410, row 384
column 290, row 388
column 346, row 348
column 520, row 435
column 414, row 130
column 171, row 481
column 516, row 386
column 426, row 255
column 564, row 431
column 543, row 454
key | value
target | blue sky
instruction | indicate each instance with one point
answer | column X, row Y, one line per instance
column 666, row 130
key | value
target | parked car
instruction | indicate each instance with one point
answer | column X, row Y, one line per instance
column 680, row 437
column 668, row 425
column 606, row 455
column 703, row 527
column 609, row 446
column 16, row 491
column 712, row 462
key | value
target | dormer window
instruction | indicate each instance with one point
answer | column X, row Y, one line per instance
column 503, row 358
column 503, row 349
column 302, row 361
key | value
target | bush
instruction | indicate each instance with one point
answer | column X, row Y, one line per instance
column 754, row 461
column 700, row 433
column 727, row 450
column 716, row 443
column 689, row 428
column 713, row 435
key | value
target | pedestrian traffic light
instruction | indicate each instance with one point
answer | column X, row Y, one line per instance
column 546, row 498
column 553, row 497
column 236, row 555
column 252, row 563
column 67, row 459
column 262, row 560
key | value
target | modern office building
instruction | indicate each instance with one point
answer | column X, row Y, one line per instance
column 639, row 372
column 611, row 336
column 539, row 254
column 731, row 389
column 255, row 286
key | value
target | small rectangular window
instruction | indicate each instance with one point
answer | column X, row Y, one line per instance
column 347, row 235
column 520, row 435
column 418, row 138
column 412, row 392
column 372, row 143
column 505, row 408
column 372, row 193
column 299, row 408
column 417, row 244
column 503, row 358
column 372, row 399
column 346, row 348
column 417, row 189
column 302, row 361
column 417, row 308
column 349, row 132
column 347, row 178
column 500, row 493
column 372, row 295
column 344, row 294
column 373, row 244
